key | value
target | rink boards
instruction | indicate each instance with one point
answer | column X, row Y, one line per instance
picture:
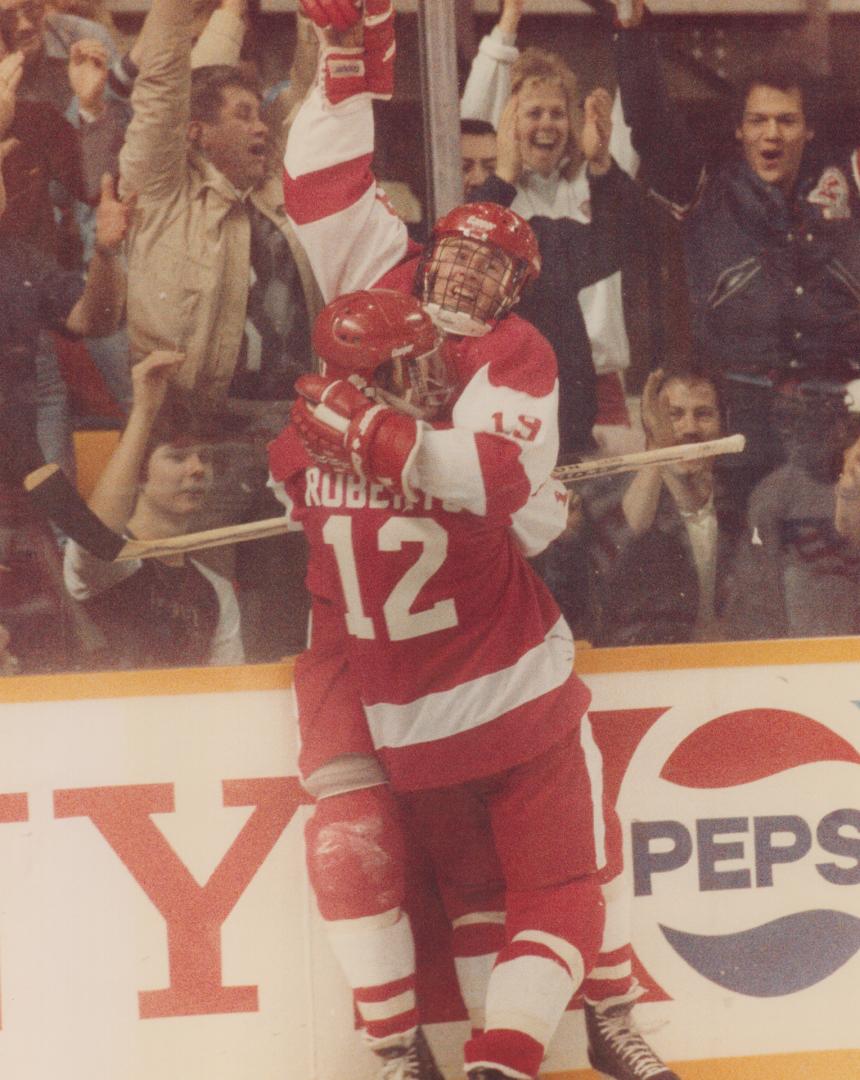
column 156, row 924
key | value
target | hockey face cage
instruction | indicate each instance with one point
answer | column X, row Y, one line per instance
column 421, row 386
column 481, row 256
column 468, row 286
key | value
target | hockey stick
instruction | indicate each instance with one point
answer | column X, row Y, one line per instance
column 53, row 494
column 584, row 470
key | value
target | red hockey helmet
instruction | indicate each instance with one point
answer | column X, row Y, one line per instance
column 497, row 226
column 389, row 339
column 492, row 246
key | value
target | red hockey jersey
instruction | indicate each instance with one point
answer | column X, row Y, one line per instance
column 460, row 656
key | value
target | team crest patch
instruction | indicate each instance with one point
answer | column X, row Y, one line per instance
column 478, row 228
column 831, row 194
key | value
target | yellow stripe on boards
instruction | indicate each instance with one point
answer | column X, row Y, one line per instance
column 820, row 1065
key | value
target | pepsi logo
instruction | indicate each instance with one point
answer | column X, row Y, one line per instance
column 744, row 847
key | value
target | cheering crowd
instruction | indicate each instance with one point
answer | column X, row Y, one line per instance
column 214, row 265
column 218, row 283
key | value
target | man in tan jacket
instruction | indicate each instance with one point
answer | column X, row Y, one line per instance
column 197, row 157
column 214, row 269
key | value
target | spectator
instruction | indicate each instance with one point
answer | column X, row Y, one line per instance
column 50, row 150
column 214, row 269
column 795, row 514
column 155, row 612
column 668, row 576
column 198, row 146
column 101, row 123
column 545, row 177
column 36, row 294
column 46, row 39
column 773, row 258
column 478, row 151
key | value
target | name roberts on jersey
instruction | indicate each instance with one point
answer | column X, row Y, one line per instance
column 341, row 491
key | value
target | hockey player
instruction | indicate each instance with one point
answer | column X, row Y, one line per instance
column 431, row 633
column 505, row 427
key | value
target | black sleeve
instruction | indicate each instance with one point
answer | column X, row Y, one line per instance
column 592, row 252
column 671, row 161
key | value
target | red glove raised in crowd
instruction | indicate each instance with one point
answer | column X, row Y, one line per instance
column 332, row 14
column 343, row 428
column 379, row 47
column 349, row 68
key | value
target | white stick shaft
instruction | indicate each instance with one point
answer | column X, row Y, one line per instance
column 584, row 470
column 568, row 474
column 199, row 541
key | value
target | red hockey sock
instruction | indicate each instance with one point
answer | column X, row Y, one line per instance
column 611, row 980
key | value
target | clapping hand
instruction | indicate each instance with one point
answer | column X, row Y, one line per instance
column 597, row 131
column 88, row 73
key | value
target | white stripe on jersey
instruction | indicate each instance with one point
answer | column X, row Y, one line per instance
column 280, row 493
column 594, row 767
column 482, row 398
column 467, row 706
column 352, row 248
column 448, row 467
column 323, row 135
column 542, row 519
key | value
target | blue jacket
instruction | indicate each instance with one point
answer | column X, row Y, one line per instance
column 773, row 284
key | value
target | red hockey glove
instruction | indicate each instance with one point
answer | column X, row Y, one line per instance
column 337, row 14
column 379, row 47
column 343, row 72
column 348, row 70
column 346, row 430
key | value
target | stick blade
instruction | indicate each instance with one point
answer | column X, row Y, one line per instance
column 54, row 496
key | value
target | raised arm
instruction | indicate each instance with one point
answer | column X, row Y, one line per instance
column 101, row 119
column 280, row 111
column 115, row 494
column 643, row 492
column 670, row 159
column 341, row 217
column 99, row 309
column 488, row 87
column 153, row 156
column 220, row 41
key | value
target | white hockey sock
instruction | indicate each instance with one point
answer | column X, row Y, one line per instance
column 532, row 985
column 377, row 956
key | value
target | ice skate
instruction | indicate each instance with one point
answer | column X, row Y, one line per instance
column 617, row 1050
column 412, row 1061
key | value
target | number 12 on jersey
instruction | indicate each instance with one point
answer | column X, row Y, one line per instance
column 401, row 622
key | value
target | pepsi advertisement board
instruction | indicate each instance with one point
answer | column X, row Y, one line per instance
column 156, row 920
